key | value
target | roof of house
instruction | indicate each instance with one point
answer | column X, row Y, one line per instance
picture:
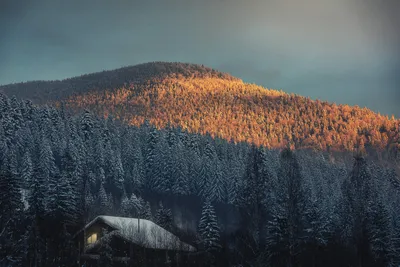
column 142, row 232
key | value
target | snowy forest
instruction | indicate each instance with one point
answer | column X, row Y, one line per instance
column 238, row 204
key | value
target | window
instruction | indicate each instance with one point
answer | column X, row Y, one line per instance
column 92, row 238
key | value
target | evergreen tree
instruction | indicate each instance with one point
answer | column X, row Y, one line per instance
column 118, row 183
column 145, row 211
column 380, row 233
column 86, row 125
column 125, row 206
column 151, row 170
column 26, row 170
column 164, row 217
column 136, row 205
column 358, row 192
column 208, row 171
column 285, row 228
column 208, row 229
column 102, row 200
column 11, row 208
column 180, row 171
column 62, row 205
column 3, row 145
column 106, row 253
column 110, row 205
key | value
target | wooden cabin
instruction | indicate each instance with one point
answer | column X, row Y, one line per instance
column 133, row 241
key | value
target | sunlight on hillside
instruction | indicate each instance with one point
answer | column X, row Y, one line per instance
column 238, row 111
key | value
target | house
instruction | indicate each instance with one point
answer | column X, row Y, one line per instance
column 133, row 241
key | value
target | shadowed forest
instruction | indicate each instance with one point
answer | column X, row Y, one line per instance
column 262, row 206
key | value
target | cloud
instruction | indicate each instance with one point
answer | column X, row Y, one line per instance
column 311, row 47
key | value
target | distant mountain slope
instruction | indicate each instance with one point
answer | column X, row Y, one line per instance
column 41, row 92
column 203, row 100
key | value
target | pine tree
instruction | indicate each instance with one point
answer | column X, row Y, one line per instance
column 164, row 217
column 102, row 200
column 110, row 205
column 125, row 206
column 89, row 207
column 86, row 125
column 194, row 166
column 380, row 233
column 145, row 211
column 26, row 170
column 208, row 229
column 358, row 192
column 62, row 206
column 136, row 205
column 166, row 167
column 3, row 145
column 11, row 214
column 118, row 183
column 180, row 171
column 151, row 170
column 285, row 228
column 106, row 254
column 208, row 171
column 317, row 230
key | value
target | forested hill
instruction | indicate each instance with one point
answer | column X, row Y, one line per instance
column 240, row 205
column 202, row 100
column 41, row 92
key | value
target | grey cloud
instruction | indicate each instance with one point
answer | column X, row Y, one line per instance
column 310, row 47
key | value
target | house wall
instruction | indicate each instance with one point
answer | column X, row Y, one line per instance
column 140, row 256
column 97, row 228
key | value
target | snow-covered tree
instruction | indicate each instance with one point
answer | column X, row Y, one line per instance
column 86, row 125
column 11, row 215
column 163, row 217
column 208, row 229
column 26, row 170
column 145, row 211
column 106, row 252
column 381, row 235
column 151, row 170
column 285, row 227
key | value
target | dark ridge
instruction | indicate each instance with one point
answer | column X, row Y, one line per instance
column 41, row 91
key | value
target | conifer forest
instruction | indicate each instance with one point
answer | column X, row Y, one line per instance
column 238, row 204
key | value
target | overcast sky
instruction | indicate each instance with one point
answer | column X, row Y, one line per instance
column 347, row 51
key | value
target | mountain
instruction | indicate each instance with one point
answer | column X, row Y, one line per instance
column 202, row 100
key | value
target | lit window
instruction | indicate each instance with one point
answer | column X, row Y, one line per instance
column 91, row 239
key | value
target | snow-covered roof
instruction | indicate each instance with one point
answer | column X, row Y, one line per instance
column 143, row 232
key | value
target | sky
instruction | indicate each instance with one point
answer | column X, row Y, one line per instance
column 344, row 51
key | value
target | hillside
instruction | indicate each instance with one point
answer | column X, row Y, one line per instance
column 202, row 100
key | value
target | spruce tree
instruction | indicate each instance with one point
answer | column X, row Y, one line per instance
column 26, row 170
column 145, row 211
column 359, row 191
column 180, row 171
column 208, row 229
column 106, row 253
column 151, row 170
column 381, row 235
column 11, row 219
column 163, row 217
column 209, row 233
column 136, row 205
column 86, row 125
column 102, row 200
column 285, row 227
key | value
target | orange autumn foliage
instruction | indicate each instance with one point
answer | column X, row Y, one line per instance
column 237, row 111
column 202, row 100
